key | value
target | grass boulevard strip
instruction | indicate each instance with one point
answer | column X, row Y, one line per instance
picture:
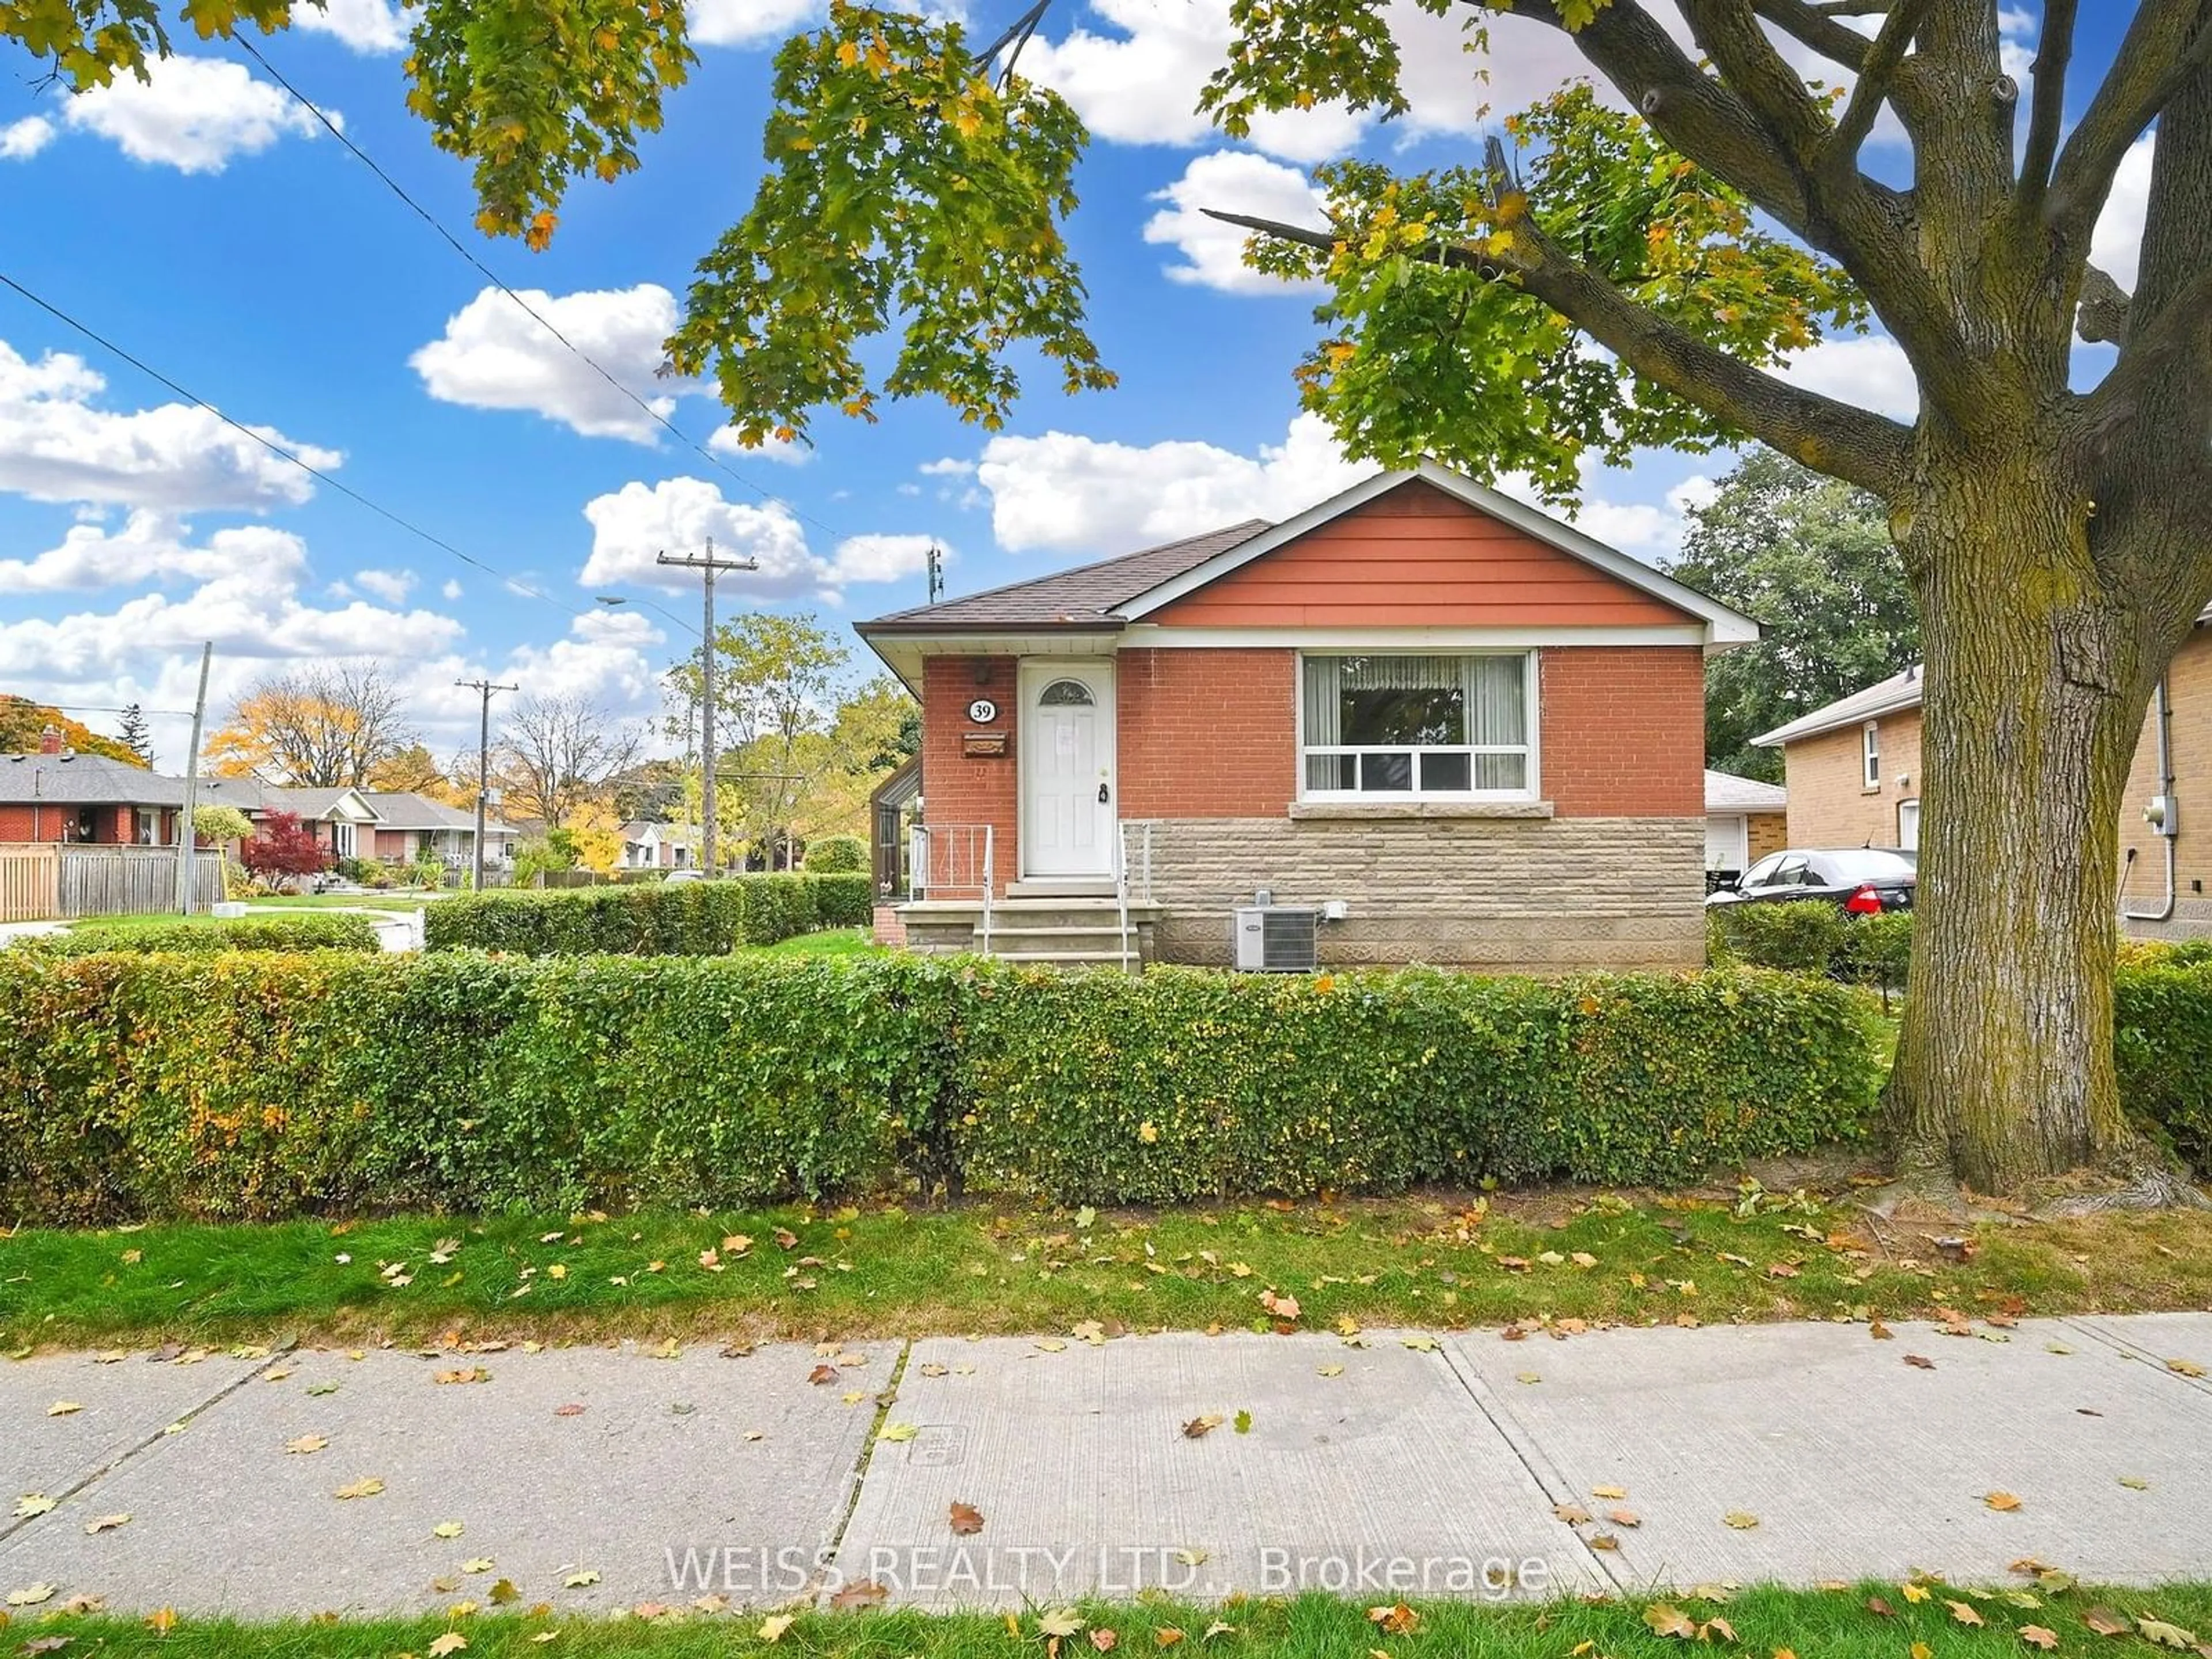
column 2041, row 1612
column 1561, row 1261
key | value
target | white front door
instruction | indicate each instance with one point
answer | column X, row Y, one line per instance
column 1067, row 768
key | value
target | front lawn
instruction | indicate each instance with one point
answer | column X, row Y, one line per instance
column 829, row 942
column 1873, row 1620
column 883, row 1270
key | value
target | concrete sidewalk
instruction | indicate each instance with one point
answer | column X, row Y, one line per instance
column 599, row 1477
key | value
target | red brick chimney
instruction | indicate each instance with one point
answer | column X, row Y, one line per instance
column 50, row 740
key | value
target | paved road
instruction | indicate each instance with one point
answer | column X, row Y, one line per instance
column 602, row 1477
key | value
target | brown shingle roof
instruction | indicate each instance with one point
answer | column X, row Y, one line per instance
column 1085, row 596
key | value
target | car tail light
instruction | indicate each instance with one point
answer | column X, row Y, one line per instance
column 1865, row 902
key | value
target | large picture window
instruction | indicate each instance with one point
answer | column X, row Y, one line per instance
column 1419, row 728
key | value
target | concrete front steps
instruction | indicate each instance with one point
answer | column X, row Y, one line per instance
column 1053, row 932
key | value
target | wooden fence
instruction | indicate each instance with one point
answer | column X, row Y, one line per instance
column 46, row 883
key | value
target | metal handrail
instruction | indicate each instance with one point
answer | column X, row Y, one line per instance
column 1122, row 882
column 961, row 858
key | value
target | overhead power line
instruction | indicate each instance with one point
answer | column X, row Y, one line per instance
column 513, row 582
column 644, row 406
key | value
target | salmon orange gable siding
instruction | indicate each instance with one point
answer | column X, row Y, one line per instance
column 1418, row 557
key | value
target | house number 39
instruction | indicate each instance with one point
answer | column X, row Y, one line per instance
column 982, row 711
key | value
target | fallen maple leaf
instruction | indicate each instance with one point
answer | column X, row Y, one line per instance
column 31, row 1504
column 581, row 1579
column 773, row 1627
column 1920, row 1362
column 1396, row 1619
column 2166, row 1635
column 1609, row 1491
column 1665, row 1618
column 2000, row 1500
column 1166, row 1636
column 896, row 1431
column 1879, row 1332
column 368, row 1488
column 1573, row 1514
column 2184, row 1367
column 1063, row 1621
column 105, row 1523
column 1878, row 1607
column 2105, row 1622
column 966, row 1519
column 69, row 1408
column 447, row 1529
column 2036, row 1637
column 822, row 1374
column 1104, row 1640
column 31, row 1596
column 1199, row 1427
column 1914, row 1592
column 472, row 1374
column 1705, row 1630
column 306, row 1443
column 860, row 1593
column 161, row 1621
column 1963, row 1612
column 1283, row 1307
column 452, row 1642
column 1624, row 1517
column 1738, row 1520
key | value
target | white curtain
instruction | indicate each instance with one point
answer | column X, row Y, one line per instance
column 1494, row 689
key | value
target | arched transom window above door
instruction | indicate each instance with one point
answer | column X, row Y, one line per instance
column 1066, row 693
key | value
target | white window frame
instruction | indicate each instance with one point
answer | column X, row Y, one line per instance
column 1530, row 775
column 1871, row 755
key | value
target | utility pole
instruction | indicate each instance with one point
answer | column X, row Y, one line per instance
column 936, row 574
column 187, row 840
column 706, row 566
column 483, row 689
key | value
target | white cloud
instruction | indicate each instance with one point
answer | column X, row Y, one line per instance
column 194, row 115
column 151, row 547
column 367, row 26
column 640, row 521
column 724, row 441
column 882, row 558
column 1139, row 83
column 55, row 446
column 1213, row 253
column 20, row 139
column 2116, row 246
column 607, row 656
column 1868, row 370
column 494, row 356
column 452, row 590
column 392, row 587
column 247, row 615
column 1068, row 493
column 950, row 467
column 748, row 22
column 680, row 515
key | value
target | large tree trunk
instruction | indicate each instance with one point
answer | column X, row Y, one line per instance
column 2037, row 680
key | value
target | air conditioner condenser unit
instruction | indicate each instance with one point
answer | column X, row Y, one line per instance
column 1275, row 939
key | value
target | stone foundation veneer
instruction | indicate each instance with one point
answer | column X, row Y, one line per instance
column 1530, row 893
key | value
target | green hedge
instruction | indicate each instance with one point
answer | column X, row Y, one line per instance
column 268, row 1085
column 307, row 930
column 2162, row 1015
column 689, row 918
column 1810, row 937
column 836, row 855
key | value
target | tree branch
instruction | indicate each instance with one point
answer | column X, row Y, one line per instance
column 1882, row 58
column 1728, row 34
column 1851, row 443
column 1811, row 26
column 2167, row 43
column 2054, row 50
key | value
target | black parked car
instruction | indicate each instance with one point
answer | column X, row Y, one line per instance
column 1862, row 880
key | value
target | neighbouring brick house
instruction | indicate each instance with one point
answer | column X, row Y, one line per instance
column 1853, row 774
column 1744, row 820
column 59, row 795
column 1463, row 730
column 412, row 828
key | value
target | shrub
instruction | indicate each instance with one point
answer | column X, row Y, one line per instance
column 836, row 855
column 306, row 930
column 282, row 848
column 2162, row 1045
column 692, row 917
column 1186, row 1084
column 263, row 1085
column 844, row 900
column 1811, row 937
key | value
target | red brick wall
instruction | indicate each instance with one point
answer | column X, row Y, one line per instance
column 111, row 824
column 1207, row 734
column 955, row 789
column 1624, row 731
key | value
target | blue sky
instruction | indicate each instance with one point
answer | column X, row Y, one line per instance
column 208, row 226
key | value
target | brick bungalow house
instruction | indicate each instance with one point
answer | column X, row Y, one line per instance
column 1744, row 822
column 58, row 795
column 1456, row 728
column 1853, row 774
